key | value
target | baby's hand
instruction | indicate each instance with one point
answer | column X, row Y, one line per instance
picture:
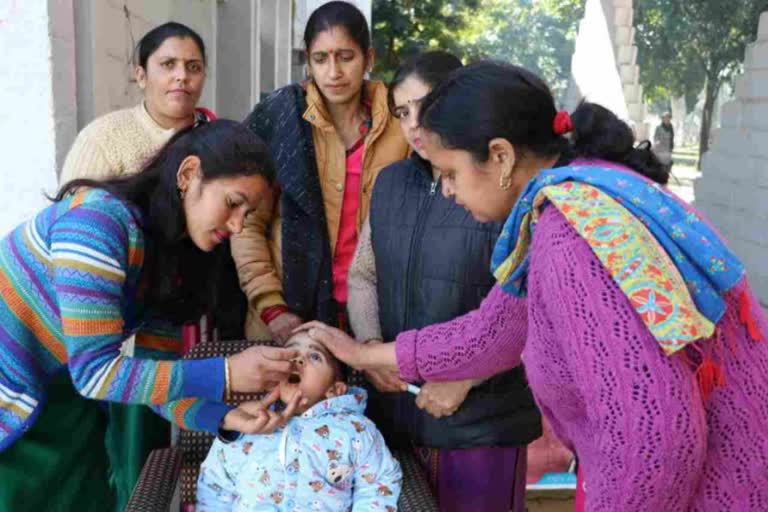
column 257, row 417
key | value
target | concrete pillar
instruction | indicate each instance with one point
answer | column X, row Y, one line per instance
column 604, row 66
column 38, row 97
column 275, row 36
column 238, row 74
column 255, row 37
column 733, row 189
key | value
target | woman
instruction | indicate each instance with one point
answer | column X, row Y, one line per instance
column 644, row 345
column 420, row 260
column 109, row 259
column 330, row 136
column 171, row 74
column 170, row 71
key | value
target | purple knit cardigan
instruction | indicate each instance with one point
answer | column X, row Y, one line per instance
column 646, row 438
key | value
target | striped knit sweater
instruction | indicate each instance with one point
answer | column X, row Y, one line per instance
column 68, row 298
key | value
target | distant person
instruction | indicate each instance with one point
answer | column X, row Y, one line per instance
column 664, row 141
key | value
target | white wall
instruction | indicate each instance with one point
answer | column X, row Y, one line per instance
column 733, row 189
column 32, row 114
column 594, row 72
column 604, row 65
column 107, row 32
column 304, row 9
column 248, row 44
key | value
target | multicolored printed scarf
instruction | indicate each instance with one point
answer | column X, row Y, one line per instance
column 672, row 266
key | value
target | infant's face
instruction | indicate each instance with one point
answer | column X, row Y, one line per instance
column 314, row 372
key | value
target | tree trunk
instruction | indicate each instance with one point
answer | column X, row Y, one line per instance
column 711, row 90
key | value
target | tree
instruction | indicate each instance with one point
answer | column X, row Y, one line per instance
column 538, row 35
column 402, row 28
column 684, row 46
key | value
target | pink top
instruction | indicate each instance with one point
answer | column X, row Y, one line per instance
column 347, row 239
column 636, row 419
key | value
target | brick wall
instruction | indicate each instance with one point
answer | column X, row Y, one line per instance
column 733, row 189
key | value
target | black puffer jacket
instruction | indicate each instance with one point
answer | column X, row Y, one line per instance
column 432, row 265
column 306, row 250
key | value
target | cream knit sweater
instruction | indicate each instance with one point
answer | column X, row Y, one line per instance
column 115, row 144
column 363, row 300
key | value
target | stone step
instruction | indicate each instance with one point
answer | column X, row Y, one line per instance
column 633, row 92
column 629, row 74
column 626, row 55
column 623, row 16
column 762, row 29
column 625, row 36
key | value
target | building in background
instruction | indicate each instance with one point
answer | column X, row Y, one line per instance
column 733, row 188
column 604, row 66
column 66, row 62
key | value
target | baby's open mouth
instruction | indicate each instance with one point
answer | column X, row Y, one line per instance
column 294, row 378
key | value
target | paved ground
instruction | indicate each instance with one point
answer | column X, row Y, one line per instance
column 682, row 180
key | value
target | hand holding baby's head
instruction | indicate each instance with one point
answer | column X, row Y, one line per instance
column 315, row 372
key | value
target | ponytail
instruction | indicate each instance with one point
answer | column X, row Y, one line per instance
column 496, row 99
column 599, row 134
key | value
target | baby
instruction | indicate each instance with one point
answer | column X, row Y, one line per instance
column 328, row 456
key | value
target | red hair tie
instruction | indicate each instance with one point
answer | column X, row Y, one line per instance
column 562, row 123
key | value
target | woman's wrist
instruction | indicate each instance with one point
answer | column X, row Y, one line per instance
column 227, row 380
column 273, row 312
column 378, row 356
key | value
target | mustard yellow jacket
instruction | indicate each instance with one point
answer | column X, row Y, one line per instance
column 257, row 250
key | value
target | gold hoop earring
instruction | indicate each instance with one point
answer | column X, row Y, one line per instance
column 505, row 182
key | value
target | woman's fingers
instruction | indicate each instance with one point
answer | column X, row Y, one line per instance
column 257, row 423
column 334, row 340
column 279, row 353
column 272, row 397
column 248, row 368
column 282, row 326
column 293, row 404
column 387, row 382
column 309, row 325
column 275, row 370
column 426, row 402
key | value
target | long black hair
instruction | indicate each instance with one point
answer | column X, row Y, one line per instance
column 152, row 40
column 179, row 280
column 429, row 67
column 490, row 99
column 338, row 14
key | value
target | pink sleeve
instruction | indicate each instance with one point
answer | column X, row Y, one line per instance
column 634, row 415
column 479, row 344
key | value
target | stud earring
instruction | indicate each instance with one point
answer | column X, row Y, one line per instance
column 182, row 193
